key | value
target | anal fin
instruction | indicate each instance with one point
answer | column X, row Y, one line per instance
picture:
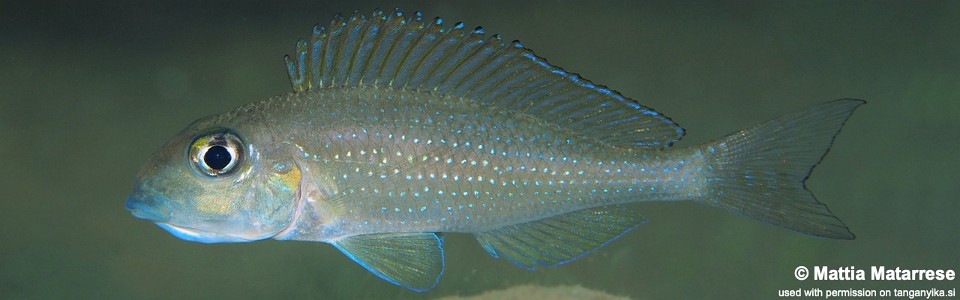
column 410, row 260
column 559, row 239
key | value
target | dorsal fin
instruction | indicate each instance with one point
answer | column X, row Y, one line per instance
column 391, row 50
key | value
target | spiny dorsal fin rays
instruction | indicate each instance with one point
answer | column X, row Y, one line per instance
column 394, row 51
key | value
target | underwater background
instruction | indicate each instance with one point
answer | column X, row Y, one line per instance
column 89, row 89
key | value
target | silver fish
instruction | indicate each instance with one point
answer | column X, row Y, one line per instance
column 398, row 129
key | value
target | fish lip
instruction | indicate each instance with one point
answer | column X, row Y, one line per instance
column 200, row 236
column 142, row 210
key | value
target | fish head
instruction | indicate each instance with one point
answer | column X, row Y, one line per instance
column 218, row 181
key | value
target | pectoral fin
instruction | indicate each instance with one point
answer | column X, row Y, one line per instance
column 559, row 239
column 413, row 261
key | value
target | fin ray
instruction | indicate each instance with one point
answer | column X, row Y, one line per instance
column 394, row 50
column 760, row 171
column 413, row 261
column 559, row 239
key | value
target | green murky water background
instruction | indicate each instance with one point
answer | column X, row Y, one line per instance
column 89, row 90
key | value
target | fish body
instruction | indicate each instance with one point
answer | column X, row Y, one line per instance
column 398, row 129
column 401, row 161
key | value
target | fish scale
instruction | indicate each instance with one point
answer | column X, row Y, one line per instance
column 446, row 165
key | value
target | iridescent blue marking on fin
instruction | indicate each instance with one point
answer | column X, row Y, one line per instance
column 397, row 51
column 559, row 239
column 410, row 260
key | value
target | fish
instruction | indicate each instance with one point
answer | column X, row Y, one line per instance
column 399, row 130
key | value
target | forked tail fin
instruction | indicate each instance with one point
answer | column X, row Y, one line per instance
column 760, row 171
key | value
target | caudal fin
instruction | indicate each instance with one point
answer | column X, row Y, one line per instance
column 760, row 171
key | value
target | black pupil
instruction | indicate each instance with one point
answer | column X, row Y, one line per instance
column 217, row 158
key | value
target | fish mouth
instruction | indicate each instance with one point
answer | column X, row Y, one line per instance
column 142, row 209
column 146, row 208
column 200, row 236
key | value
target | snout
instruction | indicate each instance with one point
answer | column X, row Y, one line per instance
column 144, row 208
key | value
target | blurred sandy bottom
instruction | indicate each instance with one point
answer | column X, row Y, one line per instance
column 530, row 292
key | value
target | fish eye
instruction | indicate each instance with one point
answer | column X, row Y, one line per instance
column 216, row 154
